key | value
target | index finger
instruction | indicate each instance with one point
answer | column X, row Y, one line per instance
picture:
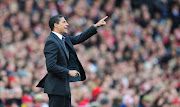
column 104, row 18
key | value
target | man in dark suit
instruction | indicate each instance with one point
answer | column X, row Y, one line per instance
column 62, row 62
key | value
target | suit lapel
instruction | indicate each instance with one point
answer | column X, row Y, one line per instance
column 61, row 43
column 69, row 43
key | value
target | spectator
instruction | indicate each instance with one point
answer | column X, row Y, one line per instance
column 105, row 102
column 146, row 101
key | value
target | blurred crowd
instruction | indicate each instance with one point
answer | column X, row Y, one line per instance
column 134, row 61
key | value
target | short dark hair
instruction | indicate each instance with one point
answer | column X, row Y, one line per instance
column 54, row 19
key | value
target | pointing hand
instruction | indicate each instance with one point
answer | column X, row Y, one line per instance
column 101, row 22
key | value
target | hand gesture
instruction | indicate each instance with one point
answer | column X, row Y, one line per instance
column 74, row 73
column 101, row 22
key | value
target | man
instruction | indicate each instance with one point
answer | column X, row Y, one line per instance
column 62, row 62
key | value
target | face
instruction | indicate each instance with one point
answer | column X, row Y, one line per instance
column 62, row 27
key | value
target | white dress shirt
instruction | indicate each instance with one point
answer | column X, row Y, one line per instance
column 59, row 35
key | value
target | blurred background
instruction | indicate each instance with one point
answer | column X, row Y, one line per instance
column 134, row 61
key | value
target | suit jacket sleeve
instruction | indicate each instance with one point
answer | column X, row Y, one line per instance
column 50, row 52
column 83, row 36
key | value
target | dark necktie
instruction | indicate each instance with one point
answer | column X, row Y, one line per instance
column 66, row 48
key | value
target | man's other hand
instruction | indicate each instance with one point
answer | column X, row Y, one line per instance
column 101, row 22
column 74, row 73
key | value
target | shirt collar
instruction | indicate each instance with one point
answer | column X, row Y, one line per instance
column 59, row 35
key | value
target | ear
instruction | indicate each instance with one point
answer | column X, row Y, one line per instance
column 55, row 24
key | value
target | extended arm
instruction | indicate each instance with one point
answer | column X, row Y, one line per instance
column 83, row 36
column 88, row 33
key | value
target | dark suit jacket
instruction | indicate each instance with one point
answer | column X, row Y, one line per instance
column 58, row 63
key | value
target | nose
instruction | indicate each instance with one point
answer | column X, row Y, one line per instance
column 67, row 24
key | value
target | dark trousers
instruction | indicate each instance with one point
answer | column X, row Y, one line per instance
column 59, row 101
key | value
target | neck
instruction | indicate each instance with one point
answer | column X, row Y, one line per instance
column 57, row 31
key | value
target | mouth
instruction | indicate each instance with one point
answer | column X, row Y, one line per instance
column 66, row 29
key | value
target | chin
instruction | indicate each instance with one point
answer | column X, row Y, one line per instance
column 65, row 32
